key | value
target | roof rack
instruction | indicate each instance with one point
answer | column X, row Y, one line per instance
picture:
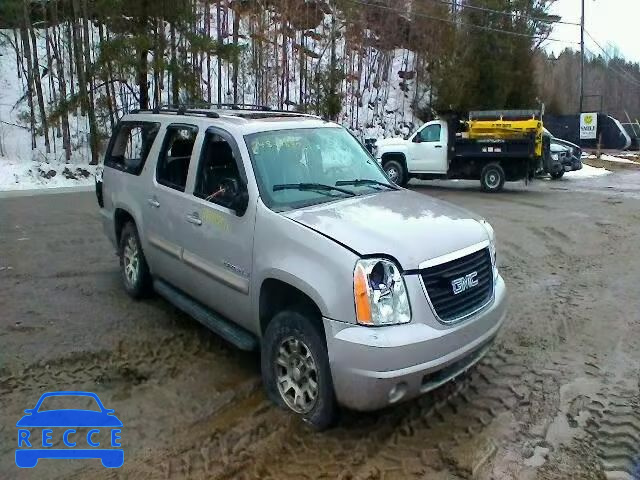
column 252, row 110
column 241, row 106
column 180, row 111
column 243, row 110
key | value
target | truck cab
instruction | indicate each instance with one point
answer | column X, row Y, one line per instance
column 426, row 151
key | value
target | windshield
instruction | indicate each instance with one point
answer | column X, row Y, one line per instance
column 306, row 166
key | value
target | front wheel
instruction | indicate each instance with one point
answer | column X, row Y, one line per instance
column 395, row 172
column 492, row 178
column 295, row 368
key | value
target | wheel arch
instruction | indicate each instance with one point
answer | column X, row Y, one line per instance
column 120, row 218
column 397, row 156
column 277, row 294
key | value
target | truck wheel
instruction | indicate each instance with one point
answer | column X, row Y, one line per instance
column 295, row 368
column 395, row 172
column 133, row 265
column 492, row 178
column 557, row 175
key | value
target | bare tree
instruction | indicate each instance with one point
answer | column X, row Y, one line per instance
column 26, row 49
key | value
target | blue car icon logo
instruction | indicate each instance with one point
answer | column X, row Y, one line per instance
column 70, row 424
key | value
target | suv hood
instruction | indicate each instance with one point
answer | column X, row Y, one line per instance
column 558, row 148
column 408, row 226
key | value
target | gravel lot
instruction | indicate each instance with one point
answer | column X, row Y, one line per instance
column 558, row 397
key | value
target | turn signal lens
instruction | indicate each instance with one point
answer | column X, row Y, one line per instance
column 361, row 294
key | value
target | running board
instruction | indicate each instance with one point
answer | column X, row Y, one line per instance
column 216, row 323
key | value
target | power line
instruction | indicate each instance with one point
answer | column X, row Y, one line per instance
column 621, row 73
column 472, row 25
column 625, row 73
column 502, row 12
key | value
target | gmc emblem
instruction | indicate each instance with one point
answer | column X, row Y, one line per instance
column 463, row 284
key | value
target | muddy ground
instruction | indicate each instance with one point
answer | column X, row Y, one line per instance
column 558, row 397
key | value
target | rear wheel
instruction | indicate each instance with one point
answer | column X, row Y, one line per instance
column 557, row 175
column 295, row 368
column 133, row 265
column 396, row 173
column 492, row 178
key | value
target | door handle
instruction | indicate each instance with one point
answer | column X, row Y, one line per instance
column 437, row 146
column 194, row 218
column 153, row 202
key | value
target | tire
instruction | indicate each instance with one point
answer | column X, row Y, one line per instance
column 292, row 337
column 136, row 279
column 492, row 178
column 396, row 172
column 557, row 175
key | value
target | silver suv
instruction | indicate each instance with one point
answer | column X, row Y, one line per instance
column 279, row 231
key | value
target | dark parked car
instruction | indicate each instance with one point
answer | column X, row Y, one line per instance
column 566, row 156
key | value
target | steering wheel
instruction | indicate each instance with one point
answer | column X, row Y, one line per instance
column 227, row 188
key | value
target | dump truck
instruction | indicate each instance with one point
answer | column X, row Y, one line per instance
column 491, row 146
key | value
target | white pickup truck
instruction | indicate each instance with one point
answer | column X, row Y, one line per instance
column 440, row 150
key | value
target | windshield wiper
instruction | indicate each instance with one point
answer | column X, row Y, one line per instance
column 364, row 181
column 311, row 186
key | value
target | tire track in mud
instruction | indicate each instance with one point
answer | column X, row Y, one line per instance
column 615, row 431
column 137, row 370
column 409, row 440
column 213, row 443
column 131, row 363
column 250, row 438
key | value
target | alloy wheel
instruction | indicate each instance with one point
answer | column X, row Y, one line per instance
column 131, row 261
column 297, row 375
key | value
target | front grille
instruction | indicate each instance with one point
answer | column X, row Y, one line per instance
column 439, row 279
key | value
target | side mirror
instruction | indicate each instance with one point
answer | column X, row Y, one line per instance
column 417, row 139
column 240, row 202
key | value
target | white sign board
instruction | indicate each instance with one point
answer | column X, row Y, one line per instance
column 588, row 126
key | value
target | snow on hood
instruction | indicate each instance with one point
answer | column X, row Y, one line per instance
column 409, row 226
column 390, row 141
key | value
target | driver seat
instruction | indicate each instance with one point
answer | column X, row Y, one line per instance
column 219, row 164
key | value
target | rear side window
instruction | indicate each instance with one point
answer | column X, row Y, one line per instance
column 131, row 145
column 173, row 164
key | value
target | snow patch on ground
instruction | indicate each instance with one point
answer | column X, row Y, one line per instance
column 610, row 158
column 27, row 175
column 587, row 172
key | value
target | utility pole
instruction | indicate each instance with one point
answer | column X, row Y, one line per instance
column 582, row 59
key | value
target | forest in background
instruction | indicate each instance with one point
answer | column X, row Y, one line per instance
column 377, row 66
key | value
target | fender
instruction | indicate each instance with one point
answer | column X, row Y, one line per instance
column 132, row 209
column 297, row 282
column 396, row 148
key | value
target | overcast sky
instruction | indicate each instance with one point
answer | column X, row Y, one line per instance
column 611, row 22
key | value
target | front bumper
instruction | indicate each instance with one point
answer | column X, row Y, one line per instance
column 574, row 165
column 376, row 367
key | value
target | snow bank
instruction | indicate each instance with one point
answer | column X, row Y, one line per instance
column 587, row 172
column 27, row 175
column 22, row 167
column 610, row 158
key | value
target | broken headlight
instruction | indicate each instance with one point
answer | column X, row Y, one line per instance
column 380, row 293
